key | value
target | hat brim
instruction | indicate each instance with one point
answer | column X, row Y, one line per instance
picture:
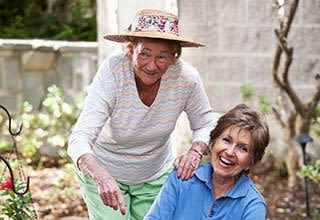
column 122, row 38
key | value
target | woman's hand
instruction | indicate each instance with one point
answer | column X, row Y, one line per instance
column 187, row 163
column 108, row 188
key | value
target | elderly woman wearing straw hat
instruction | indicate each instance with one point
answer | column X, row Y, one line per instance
column 121, row 142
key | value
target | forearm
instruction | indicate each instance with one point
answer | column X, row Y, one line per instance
column 90, row 166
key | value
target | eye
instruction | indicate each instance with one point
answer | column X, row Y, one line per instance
column 227, row 140
column 162, row 58
column 143, row 54
column 243, row 148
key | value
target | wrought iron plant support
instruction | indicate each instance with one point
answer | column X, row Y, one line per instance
column 7, row 163
column 14, row 188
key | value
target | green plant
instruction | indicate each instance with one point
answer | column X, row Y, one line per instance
column 311, row 171
column 49, row 126
column 14, row 206
column 61, row 20
column 248, row 94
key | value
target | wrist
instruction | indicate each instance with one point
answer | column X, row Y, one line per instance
column 200, row 148
column 199, row 153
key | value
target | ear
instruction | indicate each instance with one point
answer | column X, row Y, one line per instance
column 131, row 50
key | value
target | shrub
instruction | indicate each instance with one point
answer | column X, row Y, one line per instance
column 72, row 20
column 49, row 126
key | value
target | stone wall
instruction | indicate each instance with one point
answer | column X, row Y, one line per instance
column 240, row 40
column 29, row 67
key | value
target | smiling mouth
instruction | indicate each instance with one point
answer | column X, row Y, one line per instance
column 150, row 74
column 226, row 162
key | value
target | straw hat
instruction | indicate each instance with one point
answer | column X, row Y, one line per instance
column 153, row 23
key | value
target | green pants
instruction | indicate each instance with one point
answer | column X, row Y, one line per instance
column 138, row 198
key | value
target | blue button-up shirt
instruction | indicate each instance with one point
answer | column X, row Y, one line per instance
column 193, row 199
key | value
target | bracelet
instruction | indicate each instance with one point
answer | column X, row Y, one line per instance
column 198, row 152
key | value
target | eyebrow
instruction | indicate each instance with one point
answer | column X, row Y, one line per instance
column 163, row 51
column 243, row 143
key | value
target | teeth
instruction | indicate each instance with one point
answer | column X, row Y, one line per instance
column 225, row 161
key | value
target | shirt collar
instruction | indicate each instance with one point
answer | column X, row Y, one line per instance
column 240, row 189
column 204, row 174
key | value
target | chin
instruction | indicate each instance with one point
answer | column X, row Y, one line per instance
column 150, row 82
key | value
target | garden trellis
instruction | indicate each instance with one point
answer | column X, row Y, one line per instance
column 30, row 213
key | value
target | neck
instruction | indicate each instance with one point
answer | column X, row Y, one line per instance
column 141, row 86
column 222, row 185
column 147, row 93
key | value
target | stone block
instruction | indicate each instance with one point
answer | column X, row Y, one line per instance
column 11, row 75
column 310, row 12
column 226, row 69
column 198, row 62
column 192, row 12
column 223, row 96
column 49, row 78
column 261, row 12
column 304, row 92
column 15, row 46
column 64, row 71
column 37, row 61
column 208, row 35
column 33, row 91
column 247, row 39
column 82, row 70
column 305, row 41
column 308, row 68
column 233, row 12
column 259, row 71
column 213, row 13
column 9, row 102
column 268, row 92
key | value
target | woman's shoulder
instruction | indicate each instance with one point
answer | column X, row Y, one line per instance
column 115, row 60
column 184, row 71
column 247, row 190
column 254, row 193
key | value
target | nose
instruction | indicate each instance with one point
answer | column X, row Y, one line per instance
column 151, row 65
column 231, row 150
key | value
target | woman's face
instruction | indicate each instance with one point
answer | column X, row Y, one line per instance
column 151, row 59
column 231, row 152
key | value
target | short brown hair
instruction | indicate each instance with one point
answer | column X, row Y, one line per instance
column 244, row 117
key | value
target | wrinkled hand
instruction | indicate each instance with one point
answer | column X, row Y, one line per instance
column 186, row 164
column 110, row 192
column 108, row 188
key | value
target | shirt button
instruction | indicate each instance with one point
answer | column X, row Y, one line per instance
column 211, row 213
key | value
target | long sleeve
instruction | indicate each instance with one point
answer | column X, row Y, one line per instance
column 97, row 108
column 200, row 114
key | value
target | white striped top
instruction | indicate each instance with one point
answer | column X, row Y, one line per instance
column 131, row 139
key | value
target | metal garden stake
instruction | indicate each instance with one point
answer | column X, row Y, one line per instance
column 303, row 139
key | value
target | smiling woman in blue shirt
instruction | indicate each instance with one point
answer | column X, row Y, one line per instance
column 221, row 189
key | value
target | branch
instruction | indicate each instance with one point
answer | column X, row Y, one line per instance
column 315, row 98
column 283, row 82
column 291, row 14
column 286, row 86
column 278, row 117
column 282, row 42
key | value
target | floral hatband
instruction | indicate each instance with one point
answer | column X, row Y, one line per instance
column 157, row 23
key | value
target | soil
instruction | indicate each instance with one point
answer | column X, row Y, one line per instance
column 56, row 194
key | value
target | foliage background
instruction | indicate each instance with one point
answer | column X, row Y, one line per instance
column 72, row 20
